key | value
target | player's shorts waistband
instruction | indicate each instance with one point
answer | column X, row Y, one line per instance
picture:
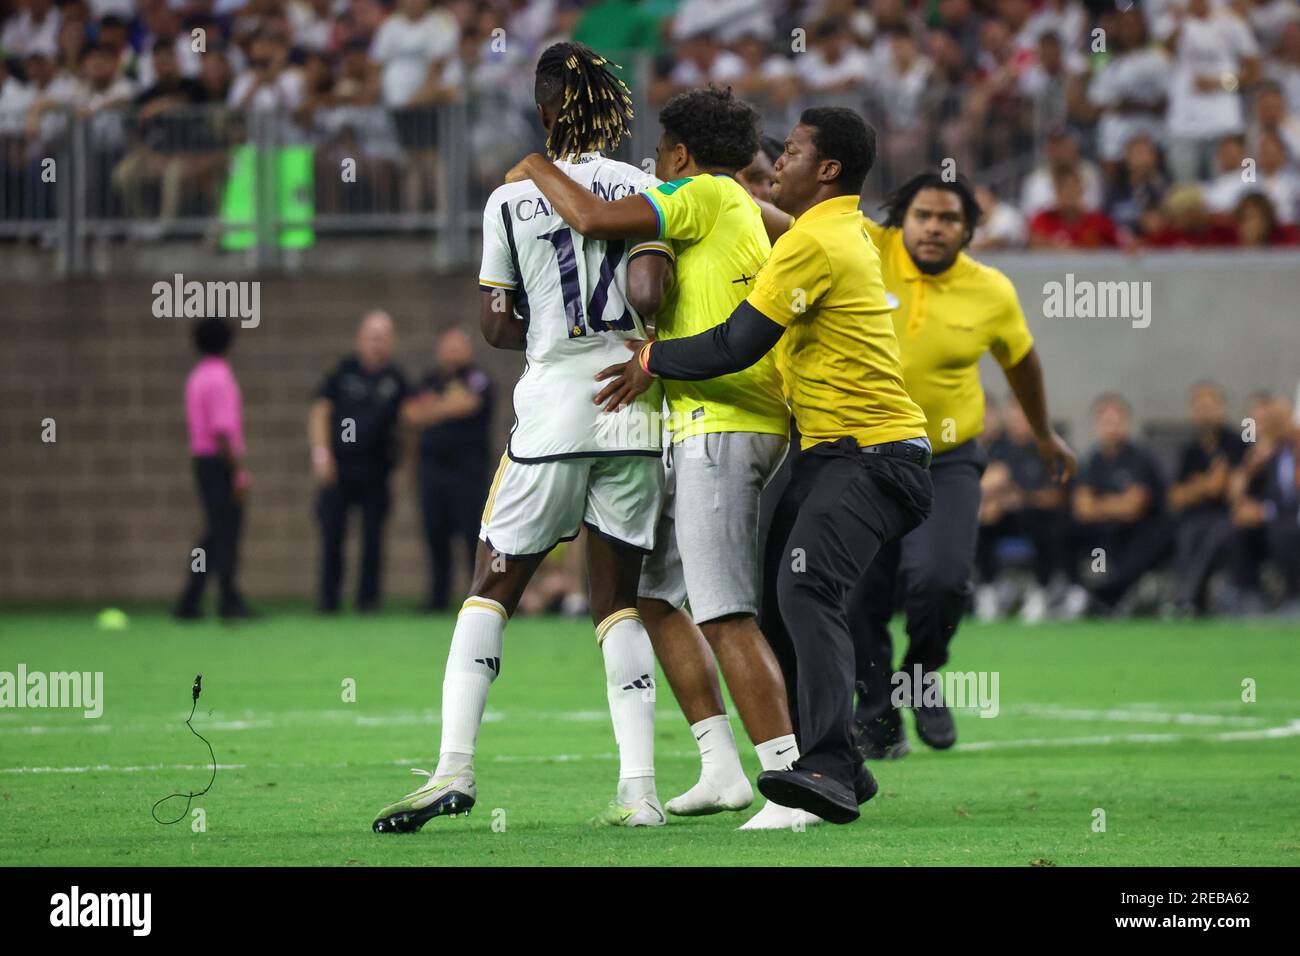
column 915, row 450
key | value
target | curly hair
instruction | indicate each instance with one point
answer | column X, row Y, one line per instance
column 717, row 129
column 900, row 200
column 593, row 108
column 844, row 136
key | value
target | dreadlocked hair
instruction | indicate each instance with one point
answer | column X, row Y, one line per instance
column 593, row 108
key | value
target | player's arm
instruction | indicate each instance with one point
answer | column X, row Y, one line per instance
column 736, row 344
column 649, row 279
column 496, row 318
column 632, row 217
column 1026, row 381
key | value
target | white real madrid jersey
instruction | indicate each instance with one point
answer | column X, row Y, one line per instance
column 572, row 292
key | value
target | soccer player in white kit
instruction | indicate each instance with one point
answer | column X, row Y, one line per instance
column 563, row 300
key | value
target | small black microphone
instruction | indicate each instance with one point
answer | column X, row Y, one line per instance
column 198, row 685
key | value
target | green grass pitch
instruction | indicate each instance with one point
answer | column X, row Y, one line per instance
column 1144, row 721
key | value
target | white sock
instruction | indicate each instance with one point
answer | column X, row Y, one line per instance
column 722, row 784
column 778, row 753
column 630, row 686
column 719, row 759
column 473, row 663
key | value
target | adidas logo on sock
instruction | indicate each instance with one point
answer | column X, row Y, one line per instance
column 493, row 663
column 644, row 682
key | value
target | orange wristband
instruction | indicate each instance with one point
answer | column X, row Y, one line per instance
column 643, row 358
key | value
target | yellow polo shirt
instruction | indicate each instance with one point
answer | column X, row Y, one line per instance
column 944, row 324
column 839, row 356
column 718, row 237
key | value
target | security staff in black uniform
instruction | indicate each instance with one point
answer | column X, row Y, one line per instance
column 453, row 412
column 1119, row 506
column 353, row 447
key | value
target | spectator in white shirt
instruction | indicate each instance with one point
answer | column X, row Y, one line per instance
column 35, row 29
column 1060, row 155
column 701, row 60
column 1233, row 177
column 1215, row 56
column 313, row 24
column 1130, row 91
column 1284, row 67
column 901, row 86
column 1272, row 116
column 411, row 46
column 834, row 62
column 269, row 84
column 1052, row 84
column 1065, row 18
column 727, row 20
column 161, row 22
column 1278, row 178
column 769, row 77
column 15, row 97
column 1001, row 226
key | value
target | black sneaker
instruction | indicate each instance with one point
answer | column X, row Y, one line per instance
column 881, row 738
column 864, row 785
column 239, row 612
column 187, row 612
column 935, row 726
column 811, row 791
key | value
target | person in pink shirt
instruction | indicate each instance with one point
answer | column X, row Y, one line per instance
column 215, row 417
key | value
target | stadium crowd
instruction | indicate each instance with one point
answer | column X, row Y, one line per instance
column 1173, row 123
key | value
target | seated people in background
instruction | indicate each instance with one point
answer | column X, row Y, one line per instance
column 1021, row 501
column 1257, row 223
column 1119, row 506
column 1228, row 185
column 1183, row 220
column 1263, row 495
column 1141, row 184
column 1199, row 498
column 1001, row 226
column 1069, row 225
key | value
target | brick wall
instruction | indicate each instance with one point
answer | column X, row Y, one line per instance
column 108, row 511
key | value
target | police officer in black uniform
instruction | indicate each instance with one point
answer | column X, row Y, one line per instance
column 453, row 412
column 352, row 430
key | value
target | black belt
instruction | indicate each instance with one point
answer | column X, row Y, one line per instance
column 906, row 450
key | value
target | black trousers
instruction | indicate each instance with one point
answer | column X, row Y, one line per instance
column 840, row 508
column 451, row 499
column 925, row 574
column 1201, row 544
column 223, row 518
column 365, row 488
column 1277, row 540
column 1048, row 529
column 1131, row 550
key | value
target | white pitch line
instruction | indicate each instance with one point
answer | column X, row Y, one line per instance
column 1264, row 733
column 1282, row 731
column 1130, row 715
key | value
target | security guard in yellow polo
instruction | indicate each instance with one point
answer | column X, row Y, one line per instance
column 861, row 480
column 950, row 311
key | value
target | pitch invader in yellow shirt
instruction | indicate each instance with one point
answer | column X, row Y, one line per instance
column 951, row 310
column 861, row 479
column 729, row 436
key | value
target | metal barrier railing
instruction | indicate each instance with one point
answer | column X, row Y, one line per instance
column 266, row 182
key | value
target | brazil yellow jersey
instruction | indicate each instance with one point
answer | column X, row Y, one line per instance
column 944, row 324
column 720, row 243
column 839, row 356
